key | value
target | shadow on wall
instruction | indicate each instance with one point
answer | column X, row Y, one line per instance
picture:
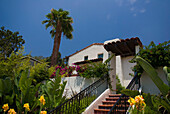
column 76, row 84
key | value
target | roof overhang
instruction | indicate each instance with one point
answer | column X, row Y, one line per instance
column 123, row 47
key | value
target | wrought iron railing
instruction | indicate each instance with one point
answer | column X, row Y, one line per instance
column 121, row 105
column 79, row 102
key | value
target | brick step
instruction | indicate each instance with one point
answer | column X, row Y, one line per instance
column 105, row 111
column 114, row 98
column 114, row 95
column 108, row 102
column 119, row 112
column 110, row 106
column 111, row 102
column 101, row 111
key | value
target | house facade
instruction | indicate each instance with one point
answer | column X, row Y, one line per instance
column 124, row 51
column 94, row 52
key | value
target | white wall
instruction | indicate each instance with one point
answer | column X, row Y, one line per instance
column 123, row 68
column 92, row 53
column 127, row 68
column 148, row 86
column 76, row 83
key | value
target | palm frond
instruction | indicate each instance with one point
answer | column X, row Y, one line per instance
column 45, row 21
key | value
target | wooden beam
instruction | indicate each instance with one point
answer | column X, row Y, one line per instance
column 118, row 49
column 128, row 47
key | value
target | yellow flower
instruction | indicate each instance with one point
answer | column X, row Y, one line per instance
column 11, row 111
column 140, row 104
column 26, row 105
column 5, row 107
column 139, row 99
column 131, row 101
column 42, row 100
column 43, row 112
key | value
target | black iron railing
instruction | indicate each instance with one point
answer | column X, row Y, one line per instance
column 121, row 105
column 79, row 102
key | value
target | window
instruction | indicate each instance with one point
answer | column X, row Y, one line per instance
column 100, row 55
column 85, row 58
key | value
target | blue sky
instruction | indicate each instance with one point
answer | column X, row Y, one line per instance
column 95, row 21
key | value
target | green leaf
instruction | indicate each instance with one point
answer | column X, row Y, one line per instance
column 131, row 93
column 153, row 75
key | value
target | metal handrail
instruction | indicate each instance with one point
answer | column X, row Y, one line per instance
column 82, row 99
column 134, row 83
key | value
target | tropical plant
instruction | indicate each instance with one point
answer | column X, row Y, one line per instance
column 155, row 103
column 53, row 90
column 60, row 23
column 17, row 86
column 9, row 42
column 25, row 92
column 137, row 105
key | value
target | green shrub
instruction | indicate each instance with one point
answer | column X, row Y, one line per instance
column 40, row 72
column 13, row 64
column 119, row 87
column 19, row 84
column 94, row 70
column 156, row 55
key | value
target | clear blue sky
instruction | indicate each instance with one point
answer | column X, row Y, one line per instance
column 95, row 21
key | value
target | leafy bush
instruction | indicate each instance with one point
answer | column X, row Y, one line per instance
column 156, row 55
column 64, row 72
column 40, row 72
column 94, row 70
column 17, row 88
column 13, row 64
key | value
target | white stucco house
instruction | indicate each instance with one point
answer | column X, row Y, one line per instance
column 93, row 52
column 125, row 50
column 102, row 51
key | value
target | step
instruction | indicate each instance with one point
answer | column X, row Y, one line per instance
column 108, row 102
column 114, row 95
column 102, row 106
column 115, row 98
column 119, row 112
column 111, row 105
column 105, row 111
column 101, row 111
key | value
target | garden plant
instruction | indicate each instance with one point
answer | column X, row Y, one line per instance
column 20, row 89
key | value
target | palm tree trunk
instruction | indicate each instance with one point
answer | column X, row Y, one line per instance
column 53, row 53
column 57, row 41
column 57, row 48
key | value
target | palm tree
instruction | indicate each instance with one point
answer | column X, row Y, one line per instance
column 60, row 23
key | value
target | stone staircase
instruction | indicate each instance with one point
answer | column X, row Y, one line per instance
column 108, row 103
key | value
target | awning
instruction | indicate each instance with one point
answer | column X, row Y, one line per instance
column 123, row 47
